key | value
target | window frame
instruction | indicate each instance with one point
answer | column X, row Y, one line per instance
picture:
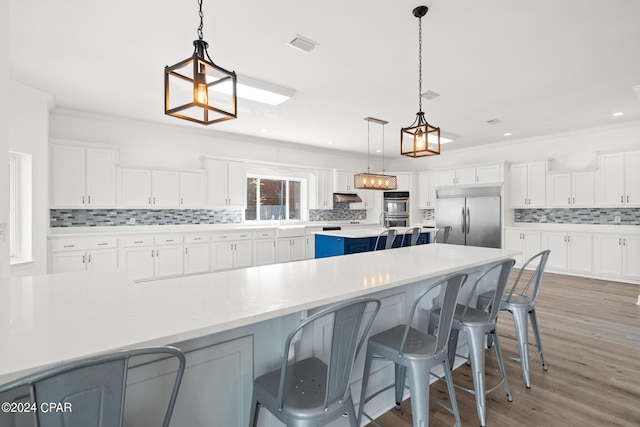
column 20, row 208
column 287, row 179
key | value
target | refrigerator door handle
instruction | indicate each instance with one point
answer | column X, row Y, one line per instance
column 464, row 223
column 468, row 221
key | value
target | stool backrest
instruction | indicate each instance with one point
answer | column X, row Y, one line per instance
column 452, row 285
column 348, row 334
column 531, row 289
column 442, row 234
column 413, row 234
column 93, row 388
column 492, row 309
column 390, row 235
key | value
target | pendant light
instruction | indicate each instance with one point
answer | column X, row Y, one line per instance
column 374, row 181
column 198, row 90
column 420, row 139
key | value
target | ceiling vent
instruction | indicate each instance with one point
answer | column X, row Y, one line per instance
column 494, row 121
column 302, row 43
column 429, row 95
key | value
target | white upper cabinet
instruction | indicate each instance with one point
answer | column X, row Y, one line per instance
column 528, row 185
column 404, row 181
column 82, row 177
column 192, row 189
column 486, row 174
column 427, row 190
column 136, row 188
column 324, row 190
column 571, row 190
column 165, row 189
column 344, row 182
column 227, row 183
column 161, row 189
column 618, row 178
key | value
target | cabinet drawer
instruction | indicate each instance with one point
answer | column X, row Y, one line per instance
column 62, row 245
column 265, row 234
column 196, row 238
column 132, row 241
column 236, row 235
column 169, row 239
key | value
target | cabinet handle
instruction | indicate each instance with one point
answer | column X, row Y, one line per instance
column 186, row 251
column 620, row 242
column 89, row 257
column 83, row 200
column 624, row 242
column 197, row 238
column 139, row 241
column 157, row 252
column 169, row 240
column 181, row 201
column 274, row 243
column 621, row 199
column 103, row 244
column 152, row 253
column 89, row 200
column 69, row 246
column 154, row 200
column 574, row 200
column 149, row 200
column 569, row 200
column 83, row 258
column 568, row 239
column 477, row 179
column 627, row 199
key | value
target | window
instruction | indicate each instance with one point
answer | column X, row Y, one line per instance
column 19, row 207
column 271, row 198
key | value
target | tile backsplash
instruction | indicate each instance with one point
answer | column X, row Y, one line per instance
column 339, row 212
column 116, row 217
column 626, row 216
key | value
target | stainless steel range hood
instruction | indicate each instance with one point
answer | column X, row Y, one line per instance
column 346, row 198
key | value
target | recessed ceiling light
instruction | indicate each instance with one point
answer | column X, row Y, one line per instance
column 329, row 142
column 378, row 151
column 618, row 114
column 264, row 130
column 507, row 134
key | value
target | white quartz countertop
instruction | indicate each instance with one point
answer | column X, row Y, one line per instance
column 49, row 319
column 356, row 233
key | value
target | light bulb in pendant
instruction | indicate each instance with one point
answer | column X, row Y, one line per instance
column 421, row 142
column 200, row 89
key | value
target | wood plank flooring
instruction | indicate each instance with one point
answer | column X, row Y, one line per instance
column 590, row 331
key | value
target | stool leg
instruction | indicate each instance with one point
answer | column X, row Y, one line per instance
column 476, row 355
column 365, row 381
column 452, row 392
column 501, row 364
column 452, row 346
column 400, row 373
column 536, row 334
column 255, row 407
column 520, row 320
column 419, row 383
column 351, row 412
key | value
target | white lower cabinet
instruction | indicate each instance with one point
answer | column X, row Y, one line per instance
column 264, row 247
column 138, row 262
column 84, row 254
column 617, row 255
column 523, row 240
column 569, row 251
column 149, row 257
column 168, row 261
column 197, row 254
column 290, row 249
column 231, row 250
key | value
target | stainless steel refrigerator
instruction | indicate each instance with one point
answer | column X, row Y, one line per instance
column 473, row 214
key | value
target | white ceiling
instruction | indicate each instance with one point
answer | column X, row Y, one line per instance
column 539, row 66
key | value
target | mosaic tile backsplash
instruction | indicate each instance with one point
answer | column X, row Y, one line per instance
column 429, row 215
column 113, row 217
column 628, row 216
column 340, row 212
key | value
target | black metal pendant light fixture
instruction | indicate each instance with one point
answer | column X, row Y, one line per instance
column 414, row 139
column 198, row 90
column 375, row 181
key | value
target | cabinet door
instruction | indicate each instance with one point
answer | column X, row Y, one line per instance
column 557, row 243
column 138, row 262
column 192, row 193
column 217, row 183
column 583, row 189
column 68, row 262
column 237, row 184
column 242, row 255
column 102, row 260
column 630, row 257
column 425, row 189
column 264, row 251
column 310, row 247
column 611, row 180
column 560, row 190
column 404, row 182
column 166, row 189
column 101, row 178
column 298, row 248
column 324, row 190
column 488, row 174
column 222, row 256
column 67, row 176
column 532, row 244
column 466, row 176
column 136, row 188
column 169, row 261
column 344, row 181
column 580, row 252
column 537, row 184
column 632, row 178
column 283, row 250
column 518, row 186
column 447, row 177
column 196, row 258
column 607, row 254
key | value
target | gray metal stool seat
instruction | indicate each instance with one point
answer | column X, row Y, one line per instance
column 417, row 352
column 390, row 235
column 311, row 392
column 442, row 234
column 520, row 301
column 477, row 324
column 93, row 388
column 413, row 233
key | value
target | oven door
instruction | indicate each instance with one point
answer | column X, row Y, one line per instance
column 396, row 207
column 397, row 221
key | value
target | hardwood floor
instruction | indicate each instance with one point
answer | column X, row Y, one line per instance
column 590, row 332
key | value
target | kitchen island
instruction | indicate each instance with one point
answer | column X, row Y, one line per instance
column 342, row 242
column 231, row 324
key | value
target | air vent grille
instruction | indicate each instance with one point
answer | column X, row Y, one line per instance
column 302, row 43
column 494, row 121
column 429, row 95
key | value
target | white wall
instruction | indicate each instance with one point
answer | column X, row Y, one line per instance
column 568, row 151
column 4, row 134
column 157, row 144
column 29, row 133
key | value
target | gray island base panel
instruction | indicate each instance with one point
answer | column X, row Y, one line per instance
column 232, row 324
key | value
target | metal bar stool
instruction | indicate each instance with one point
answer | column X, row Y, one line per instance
column 413, row 233
column 390, row 235
column 477, row 324
column 310, row 392
column 520, row 301
column 417, row 352
column 442, row 234
column 93, row 388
